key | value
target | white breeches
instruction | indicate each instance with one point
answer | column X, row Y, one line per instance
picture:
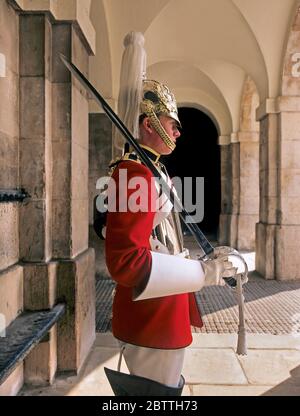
column 164, row 366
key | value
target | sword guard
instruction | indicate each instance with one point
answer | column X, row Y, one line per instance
column 225, row 251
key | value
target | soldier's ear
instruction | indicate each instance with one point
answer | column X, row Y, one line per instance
column 147, row 125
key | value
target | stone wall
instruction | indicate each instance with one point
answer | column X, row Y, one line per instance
column 45, row 255
column 11, row 274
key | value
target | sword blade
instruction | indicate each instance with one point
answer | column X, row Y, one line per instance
column 200, row 238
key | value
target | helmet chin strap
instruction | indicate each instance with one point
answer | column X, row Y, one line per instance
column 156, row 124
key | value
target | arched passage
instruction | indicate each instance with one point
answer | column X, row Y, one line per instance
column 197, row 154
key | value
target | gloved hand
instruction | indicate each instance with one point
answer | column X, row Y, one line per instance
column 216, row 269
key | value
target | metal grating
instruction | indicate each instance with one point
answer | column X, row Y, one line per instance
column 104, row 294
column 272, row 307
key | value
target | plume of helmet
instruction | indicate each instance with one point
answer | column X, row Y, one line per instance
column 139, row 95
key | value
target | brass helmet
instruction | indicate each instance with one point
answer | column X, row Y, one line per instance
column 157, row 99
column 138, row 95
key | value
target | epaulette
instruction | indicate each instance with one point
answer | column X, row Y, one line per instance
column 127, row 156
column 131, row 156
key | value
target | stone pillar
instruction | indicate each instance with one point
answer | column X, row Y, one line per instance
column 100, row 155
column 76, row 274
column 240, row 192
column 248, row 190
column 36, row 178
column 268, row 176
column 226, row 186
column 248, row 138
column 278, row 230
column 235, row 194
column 229, row 191
column 11, row 273
column 287, row 236
column 100, row 152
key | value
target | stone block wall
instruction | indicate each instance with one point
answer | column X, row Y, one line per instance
column 11, row 274
column 44, row 147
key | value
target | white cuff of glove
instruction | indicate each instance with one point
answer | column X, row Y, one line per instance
column 171, row 275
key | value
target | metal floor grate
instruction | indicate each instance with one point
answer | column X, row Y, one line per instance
column 272, row 307
column 104, row 293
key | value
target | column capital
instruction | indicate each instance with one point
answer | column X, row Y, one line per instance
column 277, row 105
column 224, row 140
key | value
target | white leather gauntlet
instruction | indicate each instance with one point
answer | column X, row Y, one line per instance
column 216, row 269
column 172, row 275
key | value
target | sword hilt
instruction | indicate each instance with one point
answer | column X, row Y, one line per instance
column 225, row 251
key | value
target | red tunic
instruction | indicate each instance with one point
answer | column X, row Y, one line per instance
column 158, row 323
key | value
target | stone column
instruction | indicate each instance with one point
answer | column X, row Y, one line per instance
column 100, row 155
column 226, row 190
column 278, row 230
column 36, row 178
column 235, row 193
column 229, row 191
column 76, row 274
column 11, row 273
column 269, row 196
column 248, row 138
column 287, row 236
column 240, row 199
column 248, row 190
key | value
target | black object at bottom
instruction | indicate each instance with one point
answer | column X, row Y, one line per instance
column 131, row 385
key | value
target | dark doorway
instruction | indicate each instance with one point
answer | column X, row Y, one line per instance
column 197, row 154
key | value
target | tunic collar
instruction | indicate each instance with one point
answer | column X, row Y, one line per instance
column 152, row 154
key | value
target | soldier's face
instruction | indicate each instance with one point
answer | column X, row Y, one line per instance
column 171, row 128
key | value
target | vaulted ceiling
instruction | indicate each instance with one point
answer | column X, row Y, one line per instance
column 203, row 49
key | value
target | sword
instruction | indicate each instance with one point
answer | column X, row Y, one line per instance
column 200, row 238
column 204, row 244
column 193, row 227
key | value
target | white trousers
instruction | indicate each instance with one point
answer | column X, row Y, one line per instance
column 164, row 366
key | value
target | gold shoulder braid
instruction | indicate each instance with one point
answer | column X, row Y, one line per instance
column 127, row 156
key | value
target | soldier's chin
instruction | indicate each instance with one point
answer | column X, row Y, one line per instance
column 167, row 151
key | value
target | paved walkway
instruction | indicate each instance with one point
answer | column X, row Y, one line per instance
column 212, row 368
